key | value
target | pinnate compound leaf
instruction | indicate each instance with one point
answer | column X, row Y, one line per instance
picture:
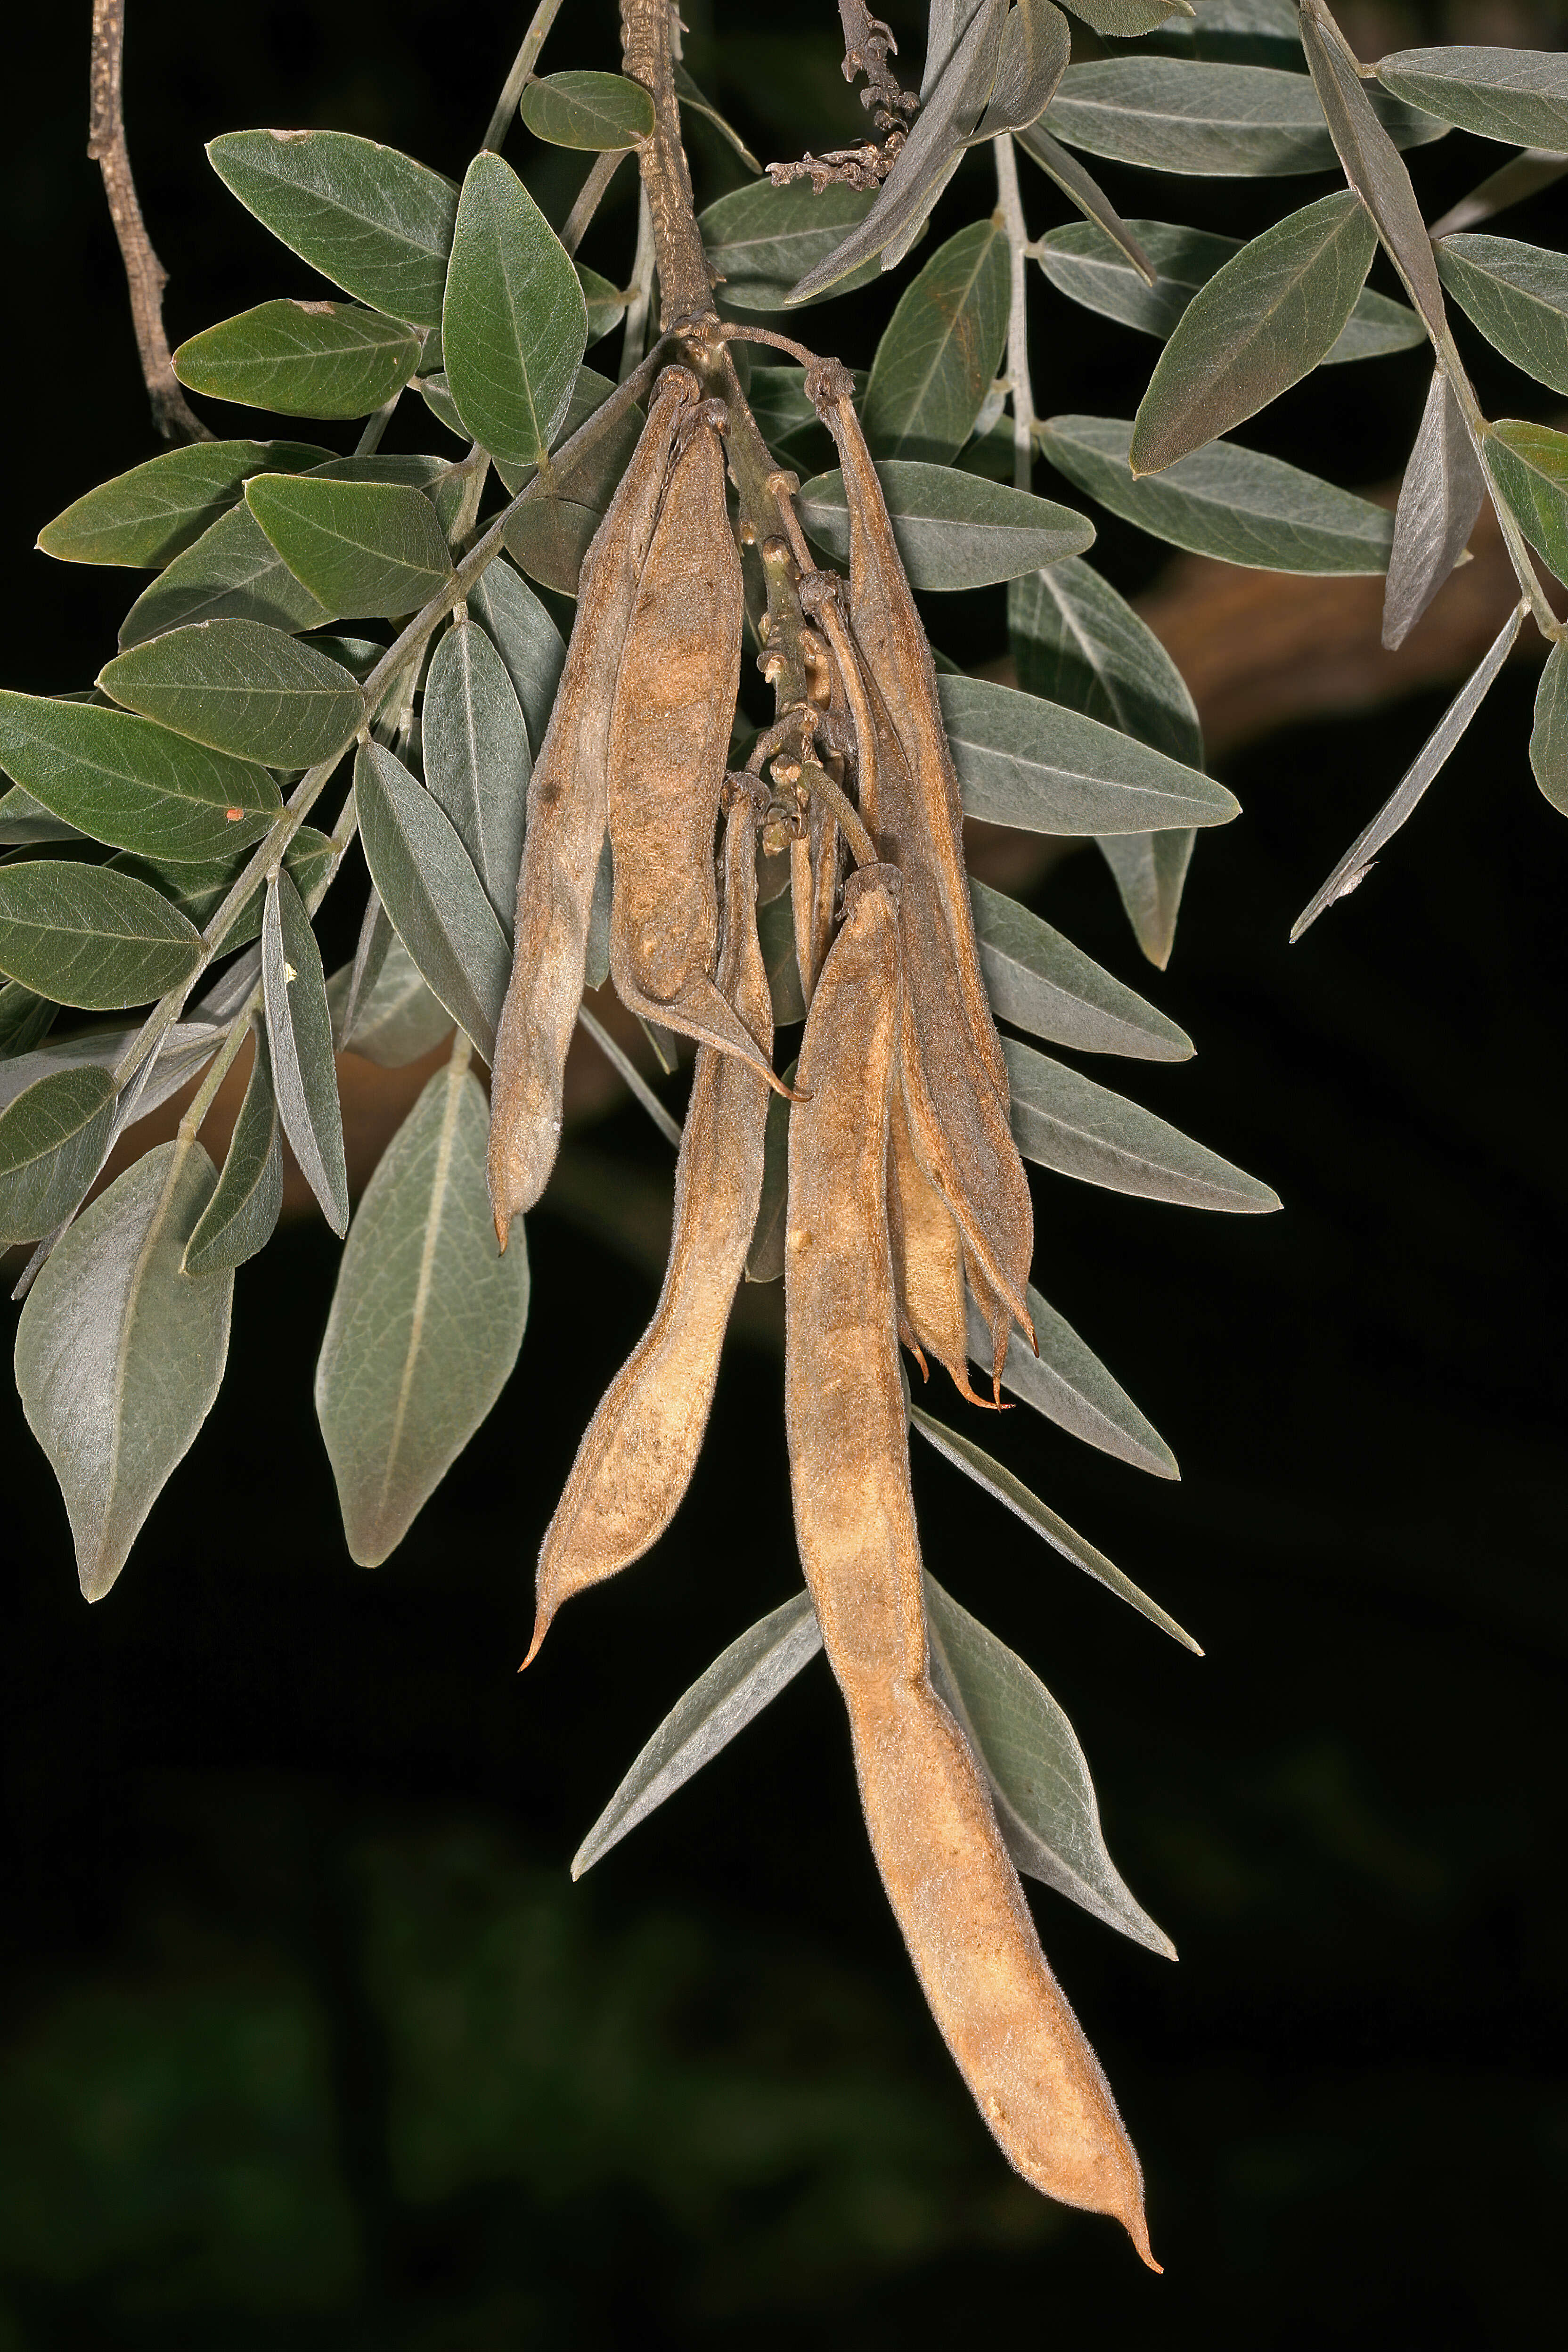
column 1039, row 982
column 53, row 1137
column 1087, row 194
column 302, row 359
column 1040, row 1786
column 1517, row 296
column 131, row 782
column 477, row 764
column 233, row 572
column 514, row 325
column 954, row 530
column 120, row 1355
column 1401, row 803
column 1549, row 737
column 735, row 1688
column 300, row 1039
column 86, row 936
column 1234, row 121
column 597, row 111
column 942, row 347
column 1037, row 44
column 427, row 1317
column 999, row 1483
column 1370, row 162
column 1440, row 499
column 1529, row 464
column 239, row 1220
column 1517, row 95
column 399, row 1020
column 1068, row 1384
column 372, row 220
column 1064, row 1120
column 363, row 550
column 1225, row 501
column 1036, row 765
column 238, row 686
column 526, row 638
column 762, row 240
column 436, row 902
column 1261, row 323
column 147, row 517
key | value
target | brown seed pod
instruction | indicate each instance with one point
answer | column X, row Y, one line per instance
column 953, row 1889
column 636, row 1461
column 674, row 702
column 928, row 1258
column 568, row 802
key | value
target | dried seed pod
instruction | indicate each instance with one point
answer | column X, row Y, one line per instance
column 636, row 1461
column 674, row 699
column 953, row 1889
column 928, row 1258
column 568, row 802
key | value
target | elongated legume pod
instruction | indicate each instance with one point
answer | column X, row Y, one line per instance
column 953, row 1889
column 636, row 1462
column 675, row 699
column 568, row 802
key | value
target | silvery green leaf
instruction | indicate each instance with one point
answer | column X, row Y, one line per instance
column 300, row 1036
column 133, row 783
column 1370, row 162
column 1440, row 499
column 53, row 1137
column 954, row 530
column 364, row 550
column 1022, row 762
column 1529, row 464
column 477, row 763
column 1517, row 296
column 233, row 572
column 1125, row 20
column 436, row 902
column 1068, row 1384
column 526, row 638
column 1225, row 500
column 1085, row 192
column 401, row 1019
column 26, row 1019
column 1064, row 1120
column 1517, row 95
column 1039, row 982
column 1000, row 1483
column 760, row 239
column 1038, row 1775
column 147, row 517
column 1150, row 870
column 607, row 303
column 736, row 1686
column 1262, row 322
column 598, row 112
column 514, row 324
column 1401, row 803
column 940, row 350
column 1548, row 739
column 427, row 1317
column 374, row 222
column 1037, row 44
column 85, row 936
column 947, row 120
column 947, row 21
column 631, row 1078
column 240, row 687
column 1237, row 32
column 1234, row 121
column 302, row 359
column 239, row 1220
column 1522, row 176
column 349, row 988
column 120, row 1355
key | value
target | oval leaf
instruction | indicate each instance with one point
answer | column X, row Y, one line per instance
column 514, row 324
column 760, row 239
column 120, row 1355
column 1085, row 194
column 1041, row 983
column 1548, row 739
column 526, row 638
column 436, row 902
column 427, row 1317
column 373, row 221
column 233, row 572
column 942, row 347
column 1065, row 1121
column 149, row 515
column 239, row 1220
column 1076, row 641
column 1037, row 45
column 600, row 110
column 1517, row 95
column 1226, row 501
column 364, row 550
column 399, row 1020
column 1440, row 501
column 1529, row 464
column 86, row 936
column 1205, row 119
column 239, row 686
column 302, row 359
column 1024, row 762
column 954, row 530
column 1517, row 296
column 131, row 782
column 476, row 757
column 1370, row 161
column 299, row 1038
column 53, row 1137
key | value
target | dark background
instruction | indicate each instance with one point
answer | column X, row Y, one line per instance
column 308, row 2037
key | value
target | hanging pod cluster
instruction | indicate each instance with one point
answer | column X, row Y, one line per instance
column 905, row 1187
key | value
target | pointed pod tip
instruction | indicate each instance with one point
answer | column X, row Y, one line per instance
column 541, row 1627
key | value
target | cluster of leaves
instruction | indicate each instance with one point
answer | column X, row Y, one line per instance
column 156, row 824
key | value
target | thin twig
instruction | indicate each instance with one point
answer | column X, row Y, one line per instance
column 544, row 16
column 591, row 195
column 641, row 299
column 623, row 1063
column 145, row 276
column 1020, row 389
